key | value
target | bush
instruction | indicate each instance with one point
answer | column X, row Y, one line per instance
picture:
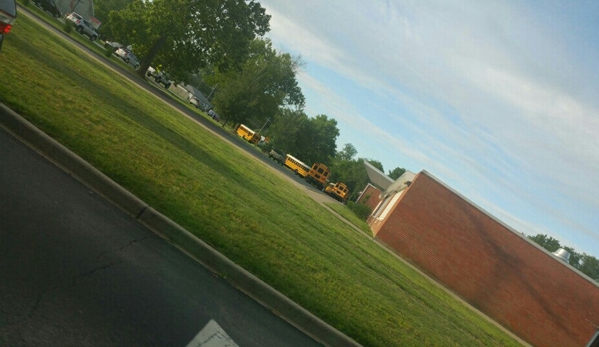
column 68, row 28
column 266, row 147
column 26, row 3
column 361, row 210
column 109, row 51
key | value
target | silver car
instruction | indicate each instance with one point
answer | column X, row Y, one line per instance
column 81, row 25
column 127, row 56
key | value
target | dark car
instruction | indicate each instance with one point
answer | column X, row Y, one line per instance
column 50, row 7
column 8, row 15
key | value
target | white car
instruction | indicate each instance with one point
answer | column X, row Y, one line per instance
column 127, row 56
column 82, row 26
column 193, row 100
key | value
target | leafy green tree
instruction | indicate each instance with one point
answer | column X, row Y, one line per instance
column 574, row 257
column 263, row 84
column 547, row 242
column 589, row 265
column 185, row 35
column 284, row 132
column 352, row 173
column 319, row 136
column 309, row 139
column 397, row 172
column 102, row 9
column 347, row 153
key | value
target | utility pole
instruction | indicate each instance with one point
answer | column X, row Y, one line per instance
column 212, row 91
column 260, row 132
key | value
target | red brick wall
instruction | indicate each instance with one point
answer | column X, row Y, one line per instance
column 370, row 196
column 537, row 297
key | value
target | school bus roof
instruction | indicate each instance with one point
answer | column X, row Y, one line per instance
column 299, row 161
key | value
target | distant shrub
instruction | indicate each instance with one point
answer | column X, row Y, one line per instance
column 109, row 51
column 361, row 210
column 68, row 28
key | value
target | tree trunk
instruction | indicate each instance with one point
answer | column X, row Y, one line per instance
column 147, row 61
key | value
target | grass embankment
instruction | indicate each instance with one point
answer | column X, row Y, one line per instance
column 228, row 199
column 351, row 217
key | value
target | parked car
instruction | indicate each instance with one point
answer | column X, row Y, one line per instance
column 163, row 78
column 277, row 156
column 198, row 103
column 214, row 115
column 194, row 100
column 112, row 45
column 205, row 106
column 81, row 25
column 127, row 56
column 50, row 7
column 160, row 77
column 8, row 15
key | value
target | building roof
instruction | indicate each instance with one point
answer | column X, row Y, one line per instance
column 387, row 184
column 401, row 183
column 198, row 94
column 377, row 177
column 83, row 7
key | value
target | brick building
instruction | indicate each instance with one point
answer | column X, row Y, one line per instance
column 370, row 196
column 521, row 286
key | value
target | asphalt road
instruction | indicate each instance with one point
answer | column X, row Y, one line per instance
column 75, row 270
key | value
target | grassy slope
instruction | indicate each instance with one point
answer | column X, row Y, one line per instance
column 231, row 201
column 350, row 216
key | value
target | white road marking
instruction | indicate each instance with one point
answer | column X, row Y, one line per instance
column 212, row 335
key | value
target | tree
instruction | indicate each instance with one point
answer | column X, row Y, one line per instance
column 351, row 172
column 309, row 139
column 319, row 136
column 102, row 9
column 185, row 35
column 397, row 172
column 589, row 266
column 547, row 242
column 347, row 153
column 574, row 259
column 264, row 83
column 285, row 130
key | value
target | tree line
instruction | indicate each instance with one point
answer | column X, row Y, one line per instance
column 585, row 263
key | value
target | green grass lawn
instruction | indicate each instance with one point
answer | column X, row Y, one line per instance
column 228, row 199
column 350, row 216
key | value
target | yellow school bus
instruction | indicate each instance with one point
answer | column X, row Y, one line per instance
column 296, row 165
column 318, row 175
column 248, row 134
column 338, row 191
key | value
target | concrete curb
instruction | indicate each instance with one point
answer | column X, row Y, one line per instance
column 183, row 239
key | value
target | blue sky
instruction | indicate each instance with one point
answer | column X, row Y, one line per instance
column 500, row 100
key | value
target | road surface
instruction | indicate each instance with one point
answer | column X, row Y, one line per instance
column 75, row 270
